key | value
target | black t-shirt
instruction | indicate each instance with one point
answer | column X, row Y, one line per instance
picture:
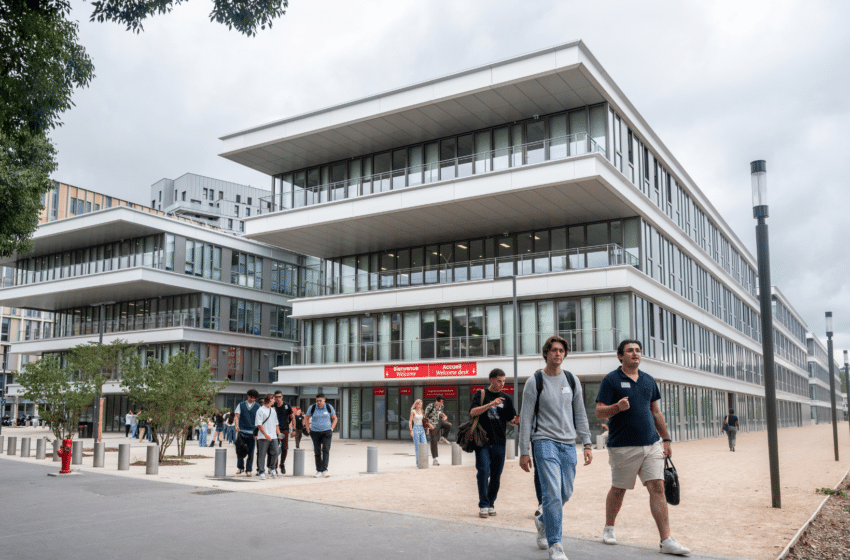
column 284, row 416
column 299, row 421
column 732, row 421
column 494, row 421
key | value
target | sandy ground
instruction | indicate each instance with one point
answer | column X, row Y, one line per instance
column 725, row 509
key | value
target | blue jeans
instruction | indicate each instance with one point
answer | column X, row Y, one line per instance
column 241, row 461
column 202, row 436
column 133, row 429
column 418, row 437
column 556, row 465
column 230, row 433
column 489, row 462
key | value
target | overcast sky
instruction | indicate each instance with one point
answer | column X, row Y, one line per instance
column 721, row 83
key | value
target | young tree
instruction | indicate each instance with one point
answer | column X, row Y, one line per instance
column 172, row 395
column 62, row 394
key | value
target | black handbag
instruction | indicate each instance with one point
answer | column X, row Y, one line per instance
column 671, row 482
column 470, row 435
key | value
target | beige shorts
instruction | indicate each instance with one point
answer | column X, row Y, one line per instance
column 629, row 462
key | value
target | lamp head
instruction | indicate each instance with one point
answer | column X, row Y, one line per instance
column 829, row 324
column 758, row 173
column 845, row 359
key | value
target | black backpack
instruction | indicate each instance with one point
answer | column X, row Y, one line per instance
column 538, row 380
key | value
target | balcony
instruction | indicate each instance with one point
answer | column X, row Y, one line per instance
column 194, row 208
column 515, row 156
column 131, row 323
column 596, row 256
column 463, row 347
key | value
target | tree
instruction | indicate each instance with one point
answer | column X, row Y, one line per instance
column 172, row 395
column 61, row 393
column 98, row 363
column 41, row 64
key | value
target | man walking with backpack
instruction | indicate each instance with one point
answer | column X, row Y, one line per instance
column 245, row 417
column 320, row 423
column 552, row 415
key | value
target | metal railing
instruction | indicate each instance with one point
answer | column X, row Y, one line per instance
column 488, row 161
column 594, row 256
column 147, row 322
column 462, row 347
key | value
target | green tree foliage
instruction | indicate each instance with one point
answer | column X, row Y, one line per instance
column 41, row 64
column 62, row 395
column 99, row 363
column 172, row 395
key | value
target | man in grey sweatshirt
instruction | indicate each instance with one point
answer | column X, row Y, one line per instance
column 551, row 437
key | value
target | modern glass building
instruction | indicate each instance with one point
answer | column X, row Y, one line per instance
column 424, row 202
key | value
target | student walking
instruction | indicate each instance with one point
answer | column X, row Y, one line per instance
column 244, row 419
column 268, row 432
column 730, row 426
column 417, row 426
column 440, row 428
column 320, row 422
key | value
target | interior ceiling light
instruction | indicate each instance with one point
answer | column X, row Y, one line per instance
column 505, row 245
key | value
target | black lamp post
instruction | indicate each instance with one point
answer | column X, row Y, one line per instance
column 847, row 383
column 758, row 173
column 831, row 381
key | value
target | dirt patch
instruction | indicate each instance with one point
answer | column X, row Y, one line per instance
column 166, row 463
column 826, row 536
column 107, row 450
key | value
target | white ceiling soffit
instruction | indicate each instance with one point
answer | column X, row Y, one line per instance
column 579, row 201
column 82, row 295
column 313, row 139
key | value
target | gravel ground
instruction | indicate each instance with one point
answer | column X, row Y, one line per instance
column 828, row 536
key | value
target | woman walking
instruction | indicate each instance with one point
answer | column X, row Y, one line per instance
column 230, row 427
column 202, row 433
column 218, row 420
column 417, row 426
column 730, row 426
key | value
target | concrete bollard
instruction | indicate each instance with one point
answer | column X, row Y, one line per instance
column 2, row 440
column 372, row 459
column 422, row 458
column 40, row 447
column 77, row 452
column 99, row 452
column 12, row 445
column 56, row 445
column 220, row 463
column 152, row 462
column 601, row 441
column 457, row 454
column 510, row 450
column 124, row 457
column 25, row 447
column 298, row 462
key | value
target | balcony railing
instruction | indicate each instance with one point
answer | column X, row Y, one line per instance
column 594, row 256
column 462, row 347
column 488, row 161
column 146, row 322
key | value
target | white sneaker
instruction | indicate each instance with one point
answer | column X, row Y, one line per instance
column 556, row 552
column 608, row 535
column 542, row 543
column 436, row 463
column 262, row 476
column 443, row 440
column 483, row 512
column 491, row 511
column 670, row 546
column 317, row 475
column 273, row 473
column 325, row 474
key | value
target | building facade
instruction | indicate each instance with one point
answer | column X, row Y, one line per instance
column 426, row 201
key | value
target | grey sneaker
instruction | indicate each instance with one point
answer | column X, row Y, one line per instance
column 491, row 511
column 325, row 474
column 542, row 543
column 670, row 546
column 556, row 552
column 273, row 473
column 608, row 535
column 262, row 476
column 317, row 475
column 436, row 463
column 444, row 440
column 483, row 512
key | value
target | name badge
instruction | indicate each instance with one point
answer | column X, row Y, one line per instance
column 501, row 405
column 625, row 385
column 565, row 390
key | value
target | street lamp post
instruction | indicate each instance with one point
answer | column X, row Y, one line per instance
column 758, row 173
column 517, row 398
column 847, row 383
column 831, row 381
column 96, row 423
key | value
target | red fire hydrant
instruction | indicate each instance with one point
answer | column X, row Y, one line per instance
column 65, row 453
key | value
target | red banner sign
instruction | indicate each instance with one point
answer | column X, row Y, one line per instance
column 379, row 391
column 507, row 389
column 447, row 392
column 405, row 390
column 457, row 369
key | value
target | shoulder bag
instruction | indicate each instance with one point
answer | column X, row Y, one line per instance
column 470, row 435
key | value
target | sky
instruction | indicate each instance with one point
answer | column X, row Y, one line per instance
column 722, row 83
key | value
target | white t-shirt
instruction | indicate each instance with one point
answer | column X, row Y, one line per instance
column 267, row 417
column 128, row 419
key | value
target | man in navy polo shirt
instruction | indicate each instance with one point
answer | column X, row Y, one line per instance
column 629, row 398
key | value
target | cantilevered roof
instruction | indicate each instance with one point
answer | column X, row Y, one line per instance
column 518, row 88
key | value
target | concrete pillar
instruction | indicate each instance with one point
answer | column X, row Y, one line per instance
column 601, row 441
column 220, row 463
column 457, row 454
column 77, row 452
column 56, row 445
column 298, row 462
column 510, row 450
column 99, row 452
column 40, row 447
column 25, row 447
column 124, row 457
column 152, row 460
column 422, row 459
column 372, row 459
column 12, row 445
column 2, row 440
